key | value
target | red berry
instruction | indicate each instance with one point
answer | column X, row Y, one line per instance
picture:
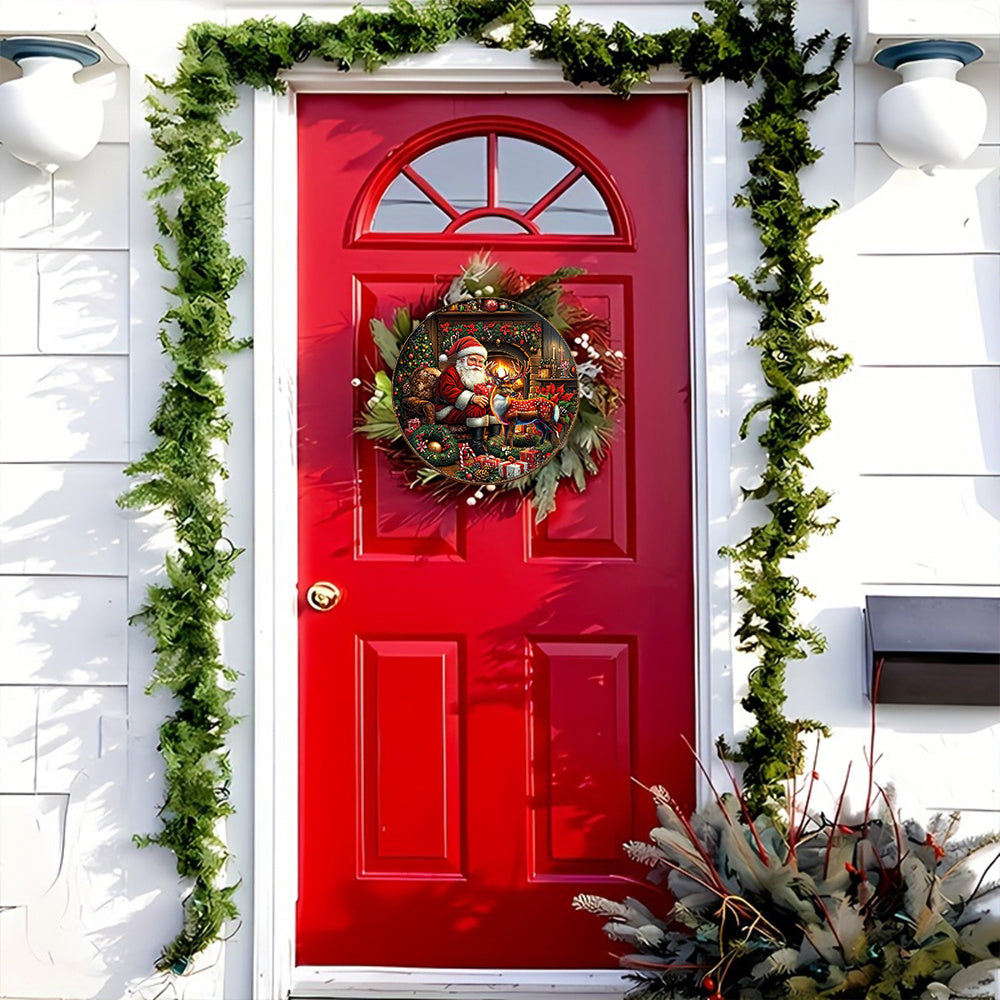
column 708, row 984
column 938, row 849
column 815, row 775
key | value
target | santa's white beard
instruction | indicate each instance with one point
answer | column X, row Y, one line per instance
column 471, row 377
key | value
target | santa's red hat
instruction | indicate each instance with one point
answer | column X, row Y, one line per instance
column 462, row 348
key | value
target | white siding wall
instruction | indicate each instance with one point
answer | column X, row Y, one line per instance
column 913, row 267
column 83, row 913
column 64, row 430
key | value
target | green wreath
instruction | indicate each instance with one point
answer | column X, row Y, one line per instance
column 598, row 366
column 421, row 439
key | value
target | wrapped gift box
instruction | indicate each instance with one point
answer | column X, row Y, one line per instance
column 511, row 470
column 490, row 462
column 531, row 457
column 412, row 425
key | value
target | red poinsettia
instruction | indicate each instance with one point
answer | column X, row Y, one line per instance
column 557, row 393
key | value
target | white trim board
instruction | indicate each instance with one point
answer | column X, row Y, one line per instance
column 643, row 15
column 275, row 266
column 382, row 983
column 884, row 22
column 460, row 67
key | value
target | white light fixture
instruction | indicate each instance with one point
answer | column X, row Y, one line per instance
column 47, row 119
column 930, row 120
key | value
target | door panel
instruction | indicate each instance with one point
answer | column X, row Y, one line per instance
column 411, row 795
column 474, row 709
column 581, row 752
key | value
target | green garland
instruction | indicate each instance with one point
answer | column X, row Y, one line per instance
column 491, row 332
column 793, row 361
column 181, row 473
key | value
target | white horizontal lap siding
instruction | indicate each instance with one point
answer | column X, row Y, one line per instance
column 73, row 900
column 913, row 268
column 64, row 428
column 922, row 317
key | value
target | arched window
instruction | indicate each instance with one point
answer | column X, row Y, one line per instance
column 500, row 177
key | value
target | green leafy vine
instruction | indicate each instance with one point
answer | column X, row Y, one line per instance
column 755, row 45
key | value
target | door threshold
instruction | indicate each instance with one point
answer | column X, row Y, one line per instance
column 387, row 983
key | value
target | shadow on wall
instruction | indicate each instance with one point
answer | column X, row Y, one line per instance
column 911, row 266
column 81, row 910
column 985, row 380
column 938, row 757
column 63, row 630
column 62, row 518
column 83, row 301
column 64, row 302
column 63, row 852
column 39, row 821
column 77, row 409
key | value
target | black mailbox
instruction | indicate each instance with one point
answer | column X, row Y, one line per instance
column 934, row 650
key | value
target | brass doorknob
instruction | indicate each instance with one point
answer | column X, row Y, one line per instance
column 323, row 596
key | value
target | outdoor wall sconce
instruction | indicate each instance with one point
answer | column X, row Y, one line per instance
column 931, row 119
column 933, row 650
column 47, row 119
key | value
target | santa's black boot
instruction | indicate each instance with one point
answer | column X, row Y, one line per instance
column 476, row 441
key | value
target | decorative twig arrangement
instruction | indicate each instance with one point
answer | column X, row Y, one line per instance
column 757, row 46
column 866, row 906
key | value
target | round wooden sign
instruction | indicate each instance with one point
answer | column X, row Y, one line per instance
column 485, row 390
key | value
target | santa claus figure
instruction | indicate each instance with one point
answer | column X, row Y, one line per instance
column 463, row 391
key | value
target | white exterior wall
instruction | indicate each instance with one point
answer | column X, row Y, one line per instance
column 913, row 268
column 64, row 699
column 912, row 264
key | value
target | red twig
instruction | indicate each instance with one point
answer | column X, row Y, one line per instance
column 833, row 929
column 746, row 815
column 895, row 823
column 871, row 748
column 672, row 967
column 704, row 771
column 836, row 821
column 693, row 838
column 720, row 890
column 794, row 834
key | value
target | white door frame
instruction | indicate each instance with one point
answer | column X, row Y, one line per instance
column 461, row 67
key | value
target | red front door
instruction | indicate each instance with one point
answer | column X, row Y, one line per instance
column 474, row 709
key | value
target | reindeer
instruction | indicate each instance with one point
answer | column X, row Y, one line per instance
column 541, row 412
